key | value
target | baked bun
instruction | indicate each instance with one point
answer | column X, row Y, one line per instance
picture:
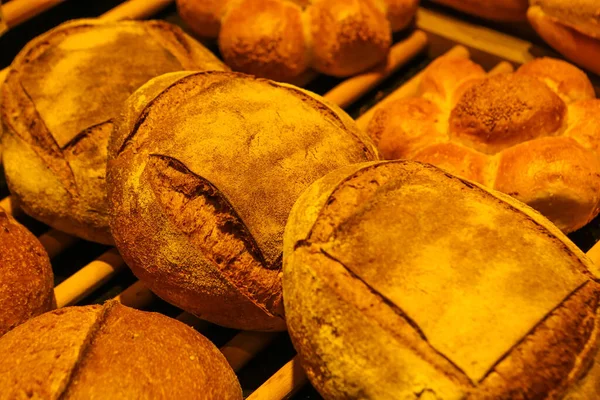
column 62, row 93
column 26, row 279
column 497, row 10
column 203, row 171
column 280, row 39
column 112, row 352
column 424, row 285
column 534, row 134
column 571, row 27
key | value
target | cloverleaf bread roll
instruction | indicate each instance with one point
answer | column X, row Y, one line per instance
column 58, row 105
column 112, row 352
column 280, row 39
column 26, row 279
column 497, row 10
column 425, row 285
column 572, row 27
column 203, row 170
column 534, row 134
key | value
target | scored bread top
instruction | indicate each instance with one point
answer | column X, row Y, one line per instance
column 213, row 162
column 280, row 39
column 532, row 134
column 581, row 15
column 419, row 254
column 26, row 279
column 111, row 351
column 62, row 93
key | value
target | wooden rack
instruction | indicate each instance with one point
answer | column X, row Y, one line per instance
column 246, row 345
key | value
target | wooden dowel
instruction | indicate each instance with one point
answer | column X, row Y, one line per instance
column 89, row 278
column 55, row 242
column 18, row 11
column 244, row 346
column 136, row 9
column 10, row 205
column 284, row 383
column 502, row 68
column 193, row 321
column 353, row 88
column 409, row 89
column 136, row 296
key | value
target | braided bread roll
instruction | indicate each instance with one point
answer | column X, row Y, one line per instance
column 280, row 39
column 534, row 134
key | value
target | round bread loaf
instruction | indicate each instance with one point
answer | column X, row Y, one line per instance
column 497, row 10
column 62, row 93
column 572, row 27
column 427, row 286
column 203, row 170
column 112, row 352
column 280, row 39
column 26, row 279
column 534, row 134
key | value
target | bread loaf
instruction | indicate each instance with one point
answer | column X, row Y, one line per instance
column 111, row 352
column 497, row 10
column 203, row 170
column 571, row 27
column 427, row 286
column 26, row 279
column 61, row 96
column 534, row 134
column 280, row 39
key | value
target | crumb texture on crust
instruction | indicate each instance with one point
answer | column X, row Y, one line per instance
column 62, row 125
column 281, row 39
column 203, row 172
column 434, row 289
column 26, row 278
column 111, row 351
column 529, row 134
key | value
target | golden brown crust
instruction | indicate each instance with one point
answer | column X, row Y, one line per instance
column 280, row 39
column 204, row 228
column 111, row 351
column 578, row 47
column 26, row 279
column 373, row 242
column 505, row 110
column 581, row 15
column 264, row 38
column 59, row 128
column 497, row 10
column 474, row 123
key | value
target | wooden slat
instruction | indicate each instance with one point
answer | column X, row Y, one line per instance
column 89, row 278
column 136, row 296
column 284, row 383
column 136, row 9
column 18, row 11
column 55, row 242
column 244, row 346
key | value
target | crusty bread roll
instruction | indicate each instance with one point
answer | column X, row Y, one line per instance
column 26, row 279
column 401, row 281
column 280, row 39
column 497, row 10
column 111, row 352
column 534, row 134
column 571, row 27
column 63, row 91
column 203, row 170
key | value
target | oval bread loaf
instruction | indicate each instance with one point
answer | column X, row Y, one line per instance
column 427, row 286
column 534, row 134
column 203, row 171
column 280, row 39
column 26, row 278
column 112, row 352
column 58, row 105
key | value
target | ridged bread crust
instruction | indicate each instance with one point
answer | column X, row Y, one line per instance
column 59, row 102
column 203, row 171
column 111, row 351
column 425, row 285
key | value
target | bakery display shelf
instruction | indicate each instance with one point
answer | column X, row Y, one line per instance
column 266, row 364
